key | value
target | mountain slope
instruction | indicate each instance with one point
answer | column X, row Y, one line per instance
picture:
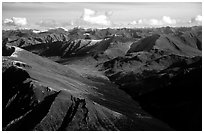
column 170, row 43
column 58, row 98
column 163, row 84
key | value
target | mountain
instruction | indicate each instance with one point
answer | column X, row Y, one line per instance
column 183, row 45
column 102, row 79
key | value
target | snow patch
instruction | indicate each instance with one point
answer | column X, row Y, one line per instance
column 17, row 50
column 39, row 31
column 96, row 40
column 20, row 64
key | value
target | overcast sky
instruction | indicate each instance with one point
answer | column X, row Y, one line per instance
column 68, row 15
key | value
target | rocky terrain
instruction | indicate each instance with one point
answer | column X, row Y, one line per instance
column 102, row 79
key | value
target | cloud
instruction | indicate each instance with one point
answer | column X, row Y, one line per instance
column 47, row 23
column 140, row 21
column 168, row 20
column 196, row 20
column 92, row 17
column 165, row 20
column 155, row 22
column 15, row 21
column 133, row 22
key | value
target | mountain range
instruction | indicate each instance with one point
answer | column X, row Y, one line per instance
column 102, row 79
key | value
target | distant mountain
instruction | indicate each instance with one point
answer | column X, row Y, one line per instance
column 188, row 43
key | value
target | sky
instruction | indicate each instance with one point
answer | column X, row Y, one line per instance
column 41, row 16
